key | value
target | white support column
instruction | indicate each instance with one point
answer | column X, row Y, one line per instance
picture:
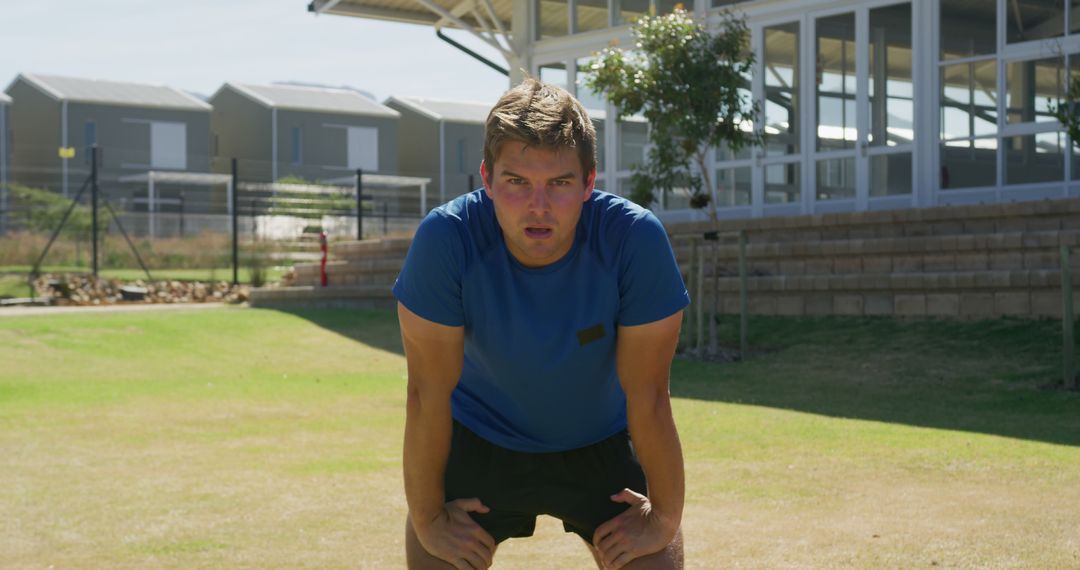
column 64, row 144
column 442, row 161
column 273, row 145
column 423, row 200
column 151, row 205
column 228, row 197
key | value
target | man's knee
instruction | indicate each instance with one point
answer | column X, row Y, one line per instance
column 670, row 558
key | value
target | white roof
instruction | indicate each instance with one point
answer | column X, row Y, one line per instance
column 173, row 177
column 442, row 110
column 322, row 99
column 114, row 92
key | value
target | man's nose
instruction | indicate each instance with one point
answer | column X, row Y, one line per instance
column 538, row 198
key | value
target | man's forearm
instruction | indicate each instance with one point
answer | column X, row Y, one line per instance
column 428, row 427
column 656, row 442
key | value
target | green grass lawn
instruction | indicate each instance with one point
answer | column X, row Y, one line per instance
column 238, row 437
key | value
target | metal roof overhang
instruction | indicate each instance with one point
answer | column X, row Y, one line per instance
column 488, row 20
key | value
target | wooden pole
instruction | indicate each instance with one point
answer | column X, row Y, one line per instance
column 701, row 300
column 714, row 341
column 1067, row 322
column 744, row 310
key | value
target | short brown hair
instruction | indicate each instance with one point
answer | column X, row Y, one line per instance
column 541, row 115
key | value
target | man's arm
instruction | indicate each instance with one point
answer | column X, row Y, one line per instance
column 434, row 354
column 643, row 357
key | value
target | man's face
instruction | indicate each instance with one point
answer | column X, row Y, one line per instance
column 538, row 195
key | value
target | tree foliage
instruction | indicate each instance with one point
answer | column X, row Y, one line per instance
column 692, row 85
column 40, row 210
column 1068, row 111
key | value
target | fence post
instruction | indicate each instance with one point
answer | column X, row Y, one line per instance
column 385, row 213
column 744, row 310
column 691, row 322
column 700, row 310
column 1067, row 322
column 94, row 205
column 181, row 214
column 359, row 204
column 235, row 229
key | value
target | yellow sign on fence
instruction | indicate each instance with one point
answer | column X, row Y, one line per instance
column 67, row 152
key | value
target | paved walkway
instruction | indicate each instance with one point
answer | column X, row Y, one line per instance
column 35, row 311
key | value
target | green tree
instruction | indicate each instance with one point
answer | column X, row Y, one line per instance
column 692, row 86
column 1068, row 110
column 40, row 210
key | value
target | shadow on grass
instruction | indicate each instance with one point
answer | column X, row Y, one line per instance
column 373, row 327
column 999, row 377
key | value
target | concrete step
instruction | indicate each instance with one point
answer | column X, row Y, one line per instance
column 938, row 281
column 365, row 296
column 1017, row 250
column 1041, row 215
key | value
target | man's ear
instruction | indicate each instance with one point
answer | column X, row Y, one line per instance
column 484, row 178
column 590, row 184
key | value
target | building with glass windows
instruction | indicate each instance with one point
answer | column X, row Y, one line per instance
column 867, row 104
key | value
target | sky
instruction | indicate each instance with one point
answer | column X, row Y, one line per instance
column 197, row 45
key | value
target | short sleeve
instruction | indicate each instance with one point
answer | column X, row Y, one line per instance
column 651, row 286
column 430, row 281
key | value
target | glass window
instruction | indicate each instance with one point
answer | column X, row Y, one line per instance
column 595, row 105
column 668, row 6
column 892, row 110
column 836, row 179
column 297, row 155
column 835, row 87
column 968, row 28
column 719, row 3
column 781, row 69
column 782, row 183
column 1035, row 158
column 590, row 15
column 90, row 134
column 633, row 136
column 1034, row 20
column 555, row 74
column 890, row 174
column 1031, row 87
column 591, row 100
column 630, row 10
column 969, row 99
column 733, row 187
column 552, row 18
column 969, row 164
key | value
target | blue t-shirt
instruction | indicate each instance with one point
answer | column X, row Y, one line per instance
column 539, row 370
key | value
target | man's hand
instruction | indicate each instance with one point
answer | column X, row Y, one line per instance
column 454, row 537
column 638, row 531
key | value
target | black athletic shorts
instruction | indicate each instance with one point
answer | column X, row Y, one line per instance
column 574, row 486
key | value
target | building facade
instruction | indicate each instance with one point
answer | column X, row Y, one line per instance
column 136, row 127
column 866, row 104
column 278, row 131
column 443, row 140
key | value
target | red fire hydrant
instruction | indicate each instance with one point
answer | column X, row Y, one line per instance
column 322, row 265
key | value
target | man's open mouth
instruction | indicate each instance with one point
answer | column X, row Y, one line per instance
column 537, row 232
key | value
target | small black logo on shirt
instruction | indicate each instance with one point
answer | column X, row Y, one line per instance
column 585, row 336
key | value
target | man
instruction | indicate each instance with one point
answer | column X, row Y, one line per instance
column 539, row 319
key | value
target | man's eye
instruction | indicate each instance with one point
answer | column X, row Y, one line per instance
column 517, row 181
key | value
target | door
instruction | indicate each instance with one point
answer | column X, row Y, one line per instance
column 863, row 110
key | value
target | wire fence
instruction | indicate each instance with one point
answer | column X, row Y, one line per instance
column 184, row 222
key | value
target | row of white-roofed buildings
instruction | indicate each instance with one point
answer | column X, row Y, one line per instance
column 275, row 132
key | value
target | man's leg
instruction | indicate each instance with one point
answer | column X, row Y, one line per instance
column 416, row 558
column 670, row 558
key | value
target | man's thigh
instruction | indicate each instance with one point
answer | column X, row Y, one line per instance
column 583, row 481
column 500, row 478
